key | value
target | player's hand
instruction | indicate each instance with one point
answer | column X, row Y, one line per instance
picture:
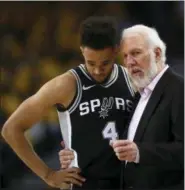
column 63, row 178
column 125, row 150
column 66, row 156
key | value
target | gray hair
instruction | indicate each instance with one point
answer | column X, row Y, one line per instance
column 151, row 35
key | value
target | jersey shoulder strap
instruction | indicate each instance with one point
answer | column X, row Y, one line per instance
column 128, row 80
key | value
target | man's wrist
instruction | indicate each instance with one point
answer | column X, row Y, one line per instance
column 49, row 172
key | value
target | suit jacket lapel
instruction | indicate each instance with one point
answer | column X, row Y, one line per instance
column 152, row 105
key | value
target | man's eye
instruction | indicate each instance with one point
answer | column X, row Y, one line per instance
column 106, row 63
column 91, row 64
column 135, row 53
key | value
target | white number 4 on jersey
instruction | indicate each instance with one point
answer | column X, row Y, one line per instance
column 109, row 132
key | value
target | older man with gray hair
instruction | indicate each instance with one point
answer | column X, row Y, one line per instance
column 154, row 147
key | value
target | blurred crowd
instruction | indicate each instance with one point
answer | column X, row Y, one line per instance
column 39, row 40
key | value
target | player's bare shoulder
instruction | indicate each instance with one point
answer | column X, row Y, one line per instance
column 66, row 88
column 60, row 89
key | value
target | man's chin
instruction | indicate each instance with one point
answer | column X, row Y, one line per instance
column 136, row 78
column 99, row 81
column 140, row 83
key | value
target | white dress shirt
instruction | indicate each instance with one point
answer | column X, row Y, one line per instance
column 145, row 96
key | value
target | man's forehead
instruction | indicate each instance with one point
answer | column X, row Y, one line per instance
column 104, row 54
column 134, row 41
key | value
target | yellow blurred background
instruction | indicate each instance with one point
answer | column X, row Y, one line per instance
column 40, row 40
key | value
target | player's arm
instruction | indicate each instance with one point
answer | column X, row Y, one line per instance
column 59, row 90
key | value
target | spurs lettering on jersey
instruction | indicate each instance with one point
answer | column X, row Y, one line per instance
column 104, row 106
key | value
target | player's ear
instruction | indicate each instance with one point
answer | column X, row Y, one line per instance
column 82, row 49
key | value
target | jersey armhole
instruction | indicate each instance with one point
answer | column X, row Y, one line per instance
column 76, row 100
column 128, row 81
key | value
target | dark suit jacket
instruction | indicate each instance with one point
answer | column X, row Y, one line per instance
column 160, row 138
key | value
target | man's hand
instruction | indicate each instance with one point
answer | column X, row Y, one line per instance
column 62, row 178
column 66, row 156
column 125, row 150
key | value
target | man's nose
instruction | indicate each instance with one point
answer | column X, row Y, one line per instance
column 129, row 61
column 97, row 71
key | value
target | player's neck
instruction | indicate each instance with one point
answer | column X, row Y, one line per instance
column 104, row 81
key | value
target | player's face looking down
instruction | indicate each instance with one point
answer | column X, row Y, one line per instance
column 99, row 63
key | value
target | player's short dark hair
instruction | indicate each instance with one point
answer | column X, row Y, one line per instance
column 99, row 32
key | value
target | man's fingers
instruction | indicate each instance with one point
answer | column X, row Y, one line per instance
column 66, row 158
column 74, row 169
column 122, row 155
column 65, row 166
column 66, row 152
column 65, row 162
column 65, row 185
column 125, row 156
column 123, row 148
column 77, row 177
column 73, row 181
column 118, row 143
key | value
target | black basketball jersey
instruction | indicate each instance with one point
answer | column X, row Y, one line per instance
column 97, row 115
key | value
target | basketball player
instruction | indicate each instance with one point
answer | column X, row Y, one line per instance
column 93, row 101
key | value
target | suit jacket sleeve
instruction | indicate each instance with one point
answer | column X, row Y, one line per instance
column 168, row 154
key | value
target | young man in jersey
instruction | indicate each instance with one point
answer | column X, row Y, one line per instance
column 93, row 102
